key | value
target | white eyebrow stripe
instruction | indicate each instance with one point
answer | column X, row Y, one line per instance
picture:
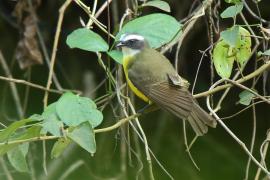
column 126, row 37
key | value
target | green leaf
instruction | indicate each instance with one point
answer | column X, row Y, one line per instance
column 266, row 53
column 31, row 132
column 242, row 56
column 158, row 4
column 246, row 97
column 36, row 117
column 24, row 148
column 243, row 47
column 244, row 38
column 116, row 56
column 232, row 11
column 222, row 61
column 59, row 147
column 16, row 157
column 230, row 36
column 86, row 39
column 6, row 148
column 84, row 136
column 51, row 123
column 5, row 134
column 157, row 28
column 234, row 45
column 53, row 126
column 74, row 110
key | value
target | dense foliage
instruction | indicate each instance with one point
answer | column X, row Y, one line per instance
column 220, row 46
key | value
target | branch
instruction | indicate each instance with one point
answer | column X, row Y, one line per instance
column 21, row 81
column 40, row 138
column 239, row 81
column 55, row 44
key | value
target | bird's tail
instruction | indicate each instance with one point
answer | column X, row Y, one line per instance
column 200, row 120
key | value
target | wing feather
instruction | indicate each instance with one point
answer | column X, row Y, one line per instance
column 179, row 102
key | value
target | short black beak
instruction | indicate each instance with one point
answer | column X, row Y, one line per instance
column 119, row 44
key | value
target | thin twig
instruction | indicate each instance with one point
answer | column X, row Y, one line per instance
column 231, row 133
column 70, row 169
column 42, row 44
column 254, row 15
column 51, row 69
column 187, row 148
column 148, row 157
column 36, row 86
column 263, row 152
column 242, row 110
column 13, row 87
column 55, row 44
column 101, row 9
column 248, row 89
column 5, row 169
column 198, row 68
column 252, row 139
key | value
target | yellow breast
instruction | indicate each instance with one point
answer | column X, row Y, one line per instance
column 130, row 84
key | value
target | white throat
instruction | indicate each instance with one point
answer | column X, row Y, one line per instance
column 129, row 52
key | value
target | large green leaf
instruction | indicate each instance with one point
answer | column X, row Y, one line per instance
column 222, row 61
column 51, row 123
column 116, row 56
column 59, row 147
column 158, row 4
column 86, row 39
column 84, row 136
column 230, row 36
column 234, row 45
column 5, row 134
column 232, row 11
column 16, row 157
column 157, row 28
column 74, row 110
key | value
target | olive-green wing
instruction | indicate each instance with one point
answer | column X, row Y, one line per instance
column 178, row 101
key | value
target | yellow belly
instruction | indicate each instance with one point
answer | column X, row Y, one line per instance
column 131, row 85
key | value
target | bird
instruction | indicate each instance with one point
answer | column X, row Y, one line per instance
column 152, row 77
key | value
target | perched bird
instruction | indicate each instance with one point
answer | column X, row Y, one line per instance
column 152, row 78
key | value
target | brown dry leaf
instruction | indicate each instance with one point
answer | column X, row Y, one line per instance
column 19, row 10
column 27, row 51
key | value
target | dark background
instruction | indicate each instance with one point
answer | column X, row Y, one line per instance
column 217, row 154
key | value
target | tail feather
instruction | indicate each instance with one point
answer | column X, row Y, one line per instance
column 200, row 120
column 197, row 125
column 207, row 119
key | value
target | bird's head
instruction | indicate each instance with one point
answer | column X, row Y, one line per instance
column 131, row 44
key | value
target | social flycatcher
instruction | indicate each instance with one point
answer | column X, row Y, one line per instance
column 152, row 77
